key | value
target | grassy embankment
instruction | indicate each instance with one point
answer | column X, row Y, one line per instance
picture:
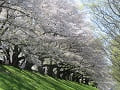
column 14, row 79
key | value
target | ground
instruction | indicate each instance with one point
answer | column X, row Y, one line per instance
column 15, row 79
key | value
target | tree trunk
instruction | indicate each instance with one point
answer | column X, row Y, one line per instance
column 15, row 59
column 58, row 73
column 28, row 66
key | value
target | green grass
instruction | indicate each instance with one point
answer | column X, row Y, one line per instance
column 14, row 79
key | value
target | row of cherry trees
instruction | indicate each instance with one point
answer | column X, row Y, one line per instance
column 52, row 36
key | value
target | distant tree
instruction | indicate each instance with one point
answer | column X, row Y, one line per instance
column 115, row 58
column 107, row 17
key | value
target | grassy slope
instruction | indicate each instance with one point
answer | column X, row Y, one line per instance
column 14, row 79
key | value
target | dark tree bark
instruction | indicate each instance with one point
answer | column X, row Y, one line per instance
column 87, row 81
column 58, row 72
column 16, row 52
column 15, row 58
column 41, row 70
column 28, row 66
column 8, row 55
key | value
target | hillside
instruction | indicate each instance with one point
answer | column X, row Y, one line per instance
column 14, row 79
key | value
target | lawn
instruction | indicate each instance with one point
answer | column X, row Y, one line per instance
column 15, row 79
